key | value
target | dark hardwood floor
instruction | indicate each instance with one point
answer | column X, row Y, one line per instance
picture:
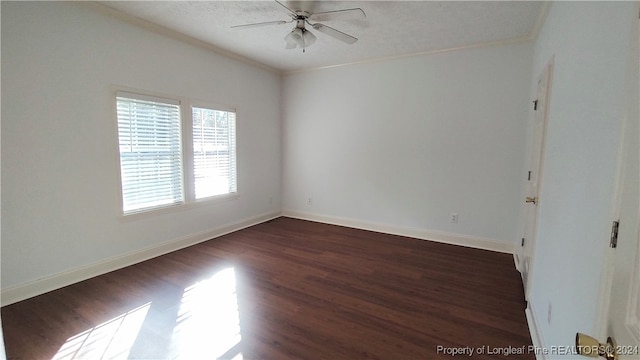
column 285, row 289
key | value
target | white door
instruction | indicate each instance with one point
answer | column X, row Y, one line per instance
column 622, row 275
column 623, row 322
column 525, row 252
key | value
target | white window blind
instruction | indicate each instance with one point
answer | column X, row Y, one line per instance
column 214, row 152
column 150, row 152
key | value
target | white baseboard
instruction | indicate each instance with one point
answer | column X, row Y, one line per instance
column 534, row 330
column 448, row 238
column 24, row 291
column 516, row 262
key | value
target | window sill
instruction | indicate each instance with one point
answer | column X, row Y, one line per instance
column 194, row 204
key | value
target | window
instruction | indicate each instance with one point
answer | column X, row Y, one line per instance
column 154, row 158
column 150, row 152
column 214, row 150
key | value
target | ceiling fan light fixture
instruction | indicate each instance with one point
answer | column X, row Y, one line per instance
column 308, row 38
column 290, row 45
column 299, row 37
column 292, row 39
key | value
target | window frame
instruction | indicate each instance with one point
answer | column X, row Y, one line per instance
column 187, row 154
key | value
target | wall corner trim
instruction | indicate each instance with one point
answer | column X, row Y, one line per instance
column 38, row 287
column 534, row 330
column 447, row 238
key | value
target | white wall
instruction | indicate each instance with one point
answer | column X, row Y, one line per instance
column 60, row 187
column 405, row 142
column 590, row 42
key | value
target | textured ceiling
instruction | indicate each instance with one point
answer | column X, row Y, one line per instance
column 391, row 28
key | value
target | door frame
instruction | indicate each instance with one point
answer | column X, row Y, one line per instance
column 530, row 248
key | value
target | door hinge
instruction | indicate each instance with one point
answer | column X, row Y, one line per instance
column 614, row 234
column 522, row 243
column 529, row 176
column 535, row 104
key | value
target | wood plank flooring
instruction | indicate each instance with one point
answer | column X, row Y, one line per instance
column 285, row 289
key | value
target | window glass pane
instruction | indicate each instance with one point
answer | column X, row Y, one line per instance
column 214, row 152
column 150, row 153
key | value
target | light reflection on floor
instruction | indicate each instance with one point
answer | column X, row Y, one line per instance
column 207, row 326
column 110, row 340
column 208, row 321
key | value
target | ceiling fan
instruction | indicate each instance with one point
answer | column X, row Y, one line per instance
column 303, row 38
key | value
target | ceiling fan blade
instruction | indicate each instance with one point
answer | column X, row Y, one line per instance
column 260, row 24
column 345, row 14
column 286, row 7
column 337, row 34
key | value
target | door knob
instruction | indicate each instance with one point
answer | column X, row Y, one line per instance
column 590, row 347
column 531, row 199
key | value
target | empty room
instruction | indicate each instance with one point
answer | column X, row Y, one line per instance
column 320, row 180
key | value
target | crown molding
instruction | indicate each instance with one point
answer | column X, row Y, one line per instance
column 173, row 34
column 512, row 41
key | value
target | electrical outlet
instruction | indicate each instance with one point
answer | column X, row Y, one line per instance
column 453, row 218
column 549, row 313
column 309, row 202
